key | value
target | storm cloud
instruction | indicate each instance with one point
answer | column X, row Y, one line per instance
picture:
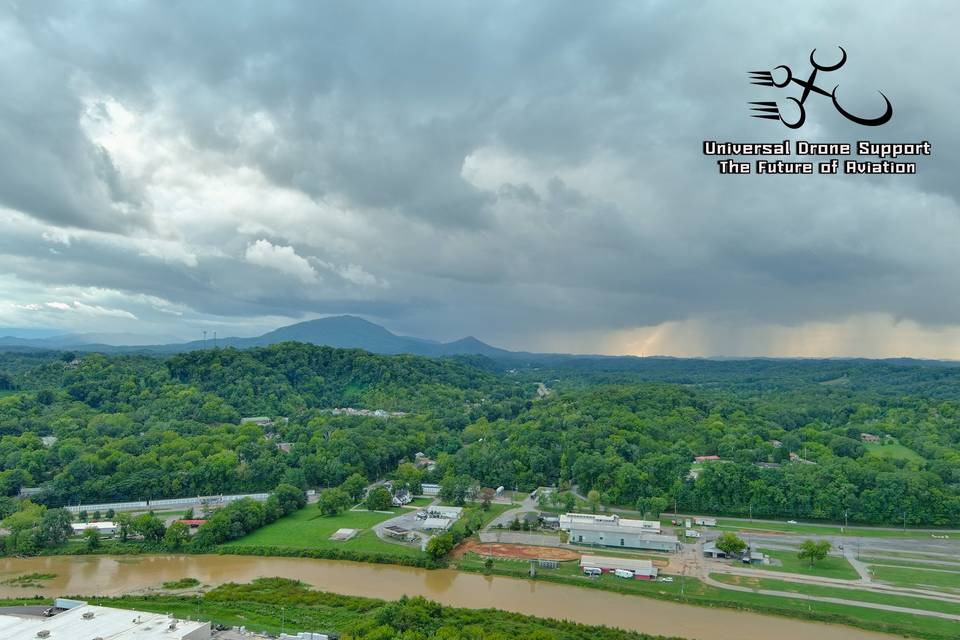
column 527, row 172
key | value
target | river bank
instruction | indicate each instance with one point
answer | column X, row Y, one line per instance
column 96, row 575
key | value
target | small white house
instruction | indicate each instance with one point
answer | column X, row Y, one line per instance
column 692, row 533
column 436, row 524
column 451, row 513
column 105, row 528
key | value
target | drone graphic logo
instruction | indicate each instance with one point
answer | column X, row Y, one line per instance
column 769, row 110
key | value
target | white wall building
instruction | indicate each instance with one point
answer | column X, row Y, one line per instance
column 88, row 621
column 436, row 511
column 614, row 531
column 568, row 520
column 642, row 569
column 105, row 528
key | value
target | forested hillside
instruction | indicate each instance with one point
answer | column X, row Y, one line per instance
column 788, row 434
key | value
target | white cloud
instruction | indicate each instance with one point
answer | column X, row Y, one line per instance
column 282, row 258
column 91, row 310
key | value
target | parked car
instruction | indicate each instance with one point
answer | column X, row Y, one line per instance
column 623, row 573
column 592, row 571
column 791, row 522
column 665, row 579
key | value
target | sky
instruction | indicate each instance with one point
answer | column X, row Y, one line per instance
column 527, row 172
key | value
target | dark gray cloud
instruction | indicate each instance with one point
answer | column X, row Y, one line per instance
column 505, row 169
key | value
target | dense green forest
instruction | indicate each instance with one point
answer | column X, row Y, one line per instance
column 134, row 427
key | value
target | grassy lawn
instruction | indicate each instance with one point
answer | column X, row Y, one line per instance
column 861, row 595
column 892, row 451
column 742, row 524
column 916, row 577
column 829, row 567
column 307, row 529
column 915, row 562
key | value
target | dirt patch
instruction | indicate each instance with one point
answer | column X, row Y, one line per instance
column 515, row 551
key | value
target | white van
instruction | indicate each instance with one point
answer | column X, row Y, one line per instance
column 592, row 571
column 623, row 573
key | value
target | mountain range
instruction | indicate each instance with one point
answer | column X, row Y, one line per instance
column 348, row 332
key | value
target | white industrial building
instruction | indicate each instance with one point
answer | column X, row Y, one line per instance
column 568, row 520
column 451, row 513
column 641, row 569
column 105, row 528
column 436, row 524
column 86, row 622
column 614, row 531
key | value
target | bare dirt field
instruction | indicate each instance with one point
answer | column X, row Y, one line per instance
column 515, row 551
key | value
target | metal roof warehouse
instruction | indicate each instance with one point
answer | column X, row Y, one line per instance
column 86, row 622
column 640, row 568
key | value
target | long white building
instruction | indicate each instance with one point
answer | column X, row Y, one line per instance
column 614, row 531
column 85, row 621
column 569, row 520
column 642, row 569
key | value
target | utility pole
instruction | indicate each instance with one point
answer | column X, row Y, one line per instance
column 204, row 338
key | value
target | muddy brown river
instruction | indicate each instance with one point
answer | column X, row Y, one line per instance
column 113, row 575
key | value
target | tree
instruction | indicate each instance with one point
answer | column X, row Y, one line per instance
column 731, row 544
column 455, row 488
column 177, row 536
column 410, row 478
column 124, row 522
column 486, row 497
column 593, row 499
column 148, row 526
column 291, row 498
column 55, row 527
column 814, row 550
column 569, row 502
column 332, row 501
column 441, row 545
column 91, row 536
column 355, row 486
column 110, row 514
column 378, row 499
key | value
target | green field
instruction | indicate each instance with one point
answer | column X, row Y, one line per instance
column 743, row 524
column 307, row 529
column 829, row 567
column 914, row 561
column 861, row 595
column 693, row 591
column 892, row 451
column 917, row 577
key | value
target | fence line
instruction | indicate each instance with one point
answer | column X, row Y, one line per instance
column 143, row 505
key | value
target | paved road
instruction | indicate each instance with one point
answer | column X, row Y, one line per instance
column 505, row 518
column 406, row 520
column 690, row 561
column 920, row 532
column 855, row 603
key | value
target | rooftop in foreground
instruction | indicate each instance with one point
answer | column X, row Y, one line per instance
column 86, row 622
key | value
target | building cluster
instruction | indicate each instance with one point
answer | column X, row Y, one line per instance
column 368, row 413
column 437, row 518
column 421, row 461
column 614, row 531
